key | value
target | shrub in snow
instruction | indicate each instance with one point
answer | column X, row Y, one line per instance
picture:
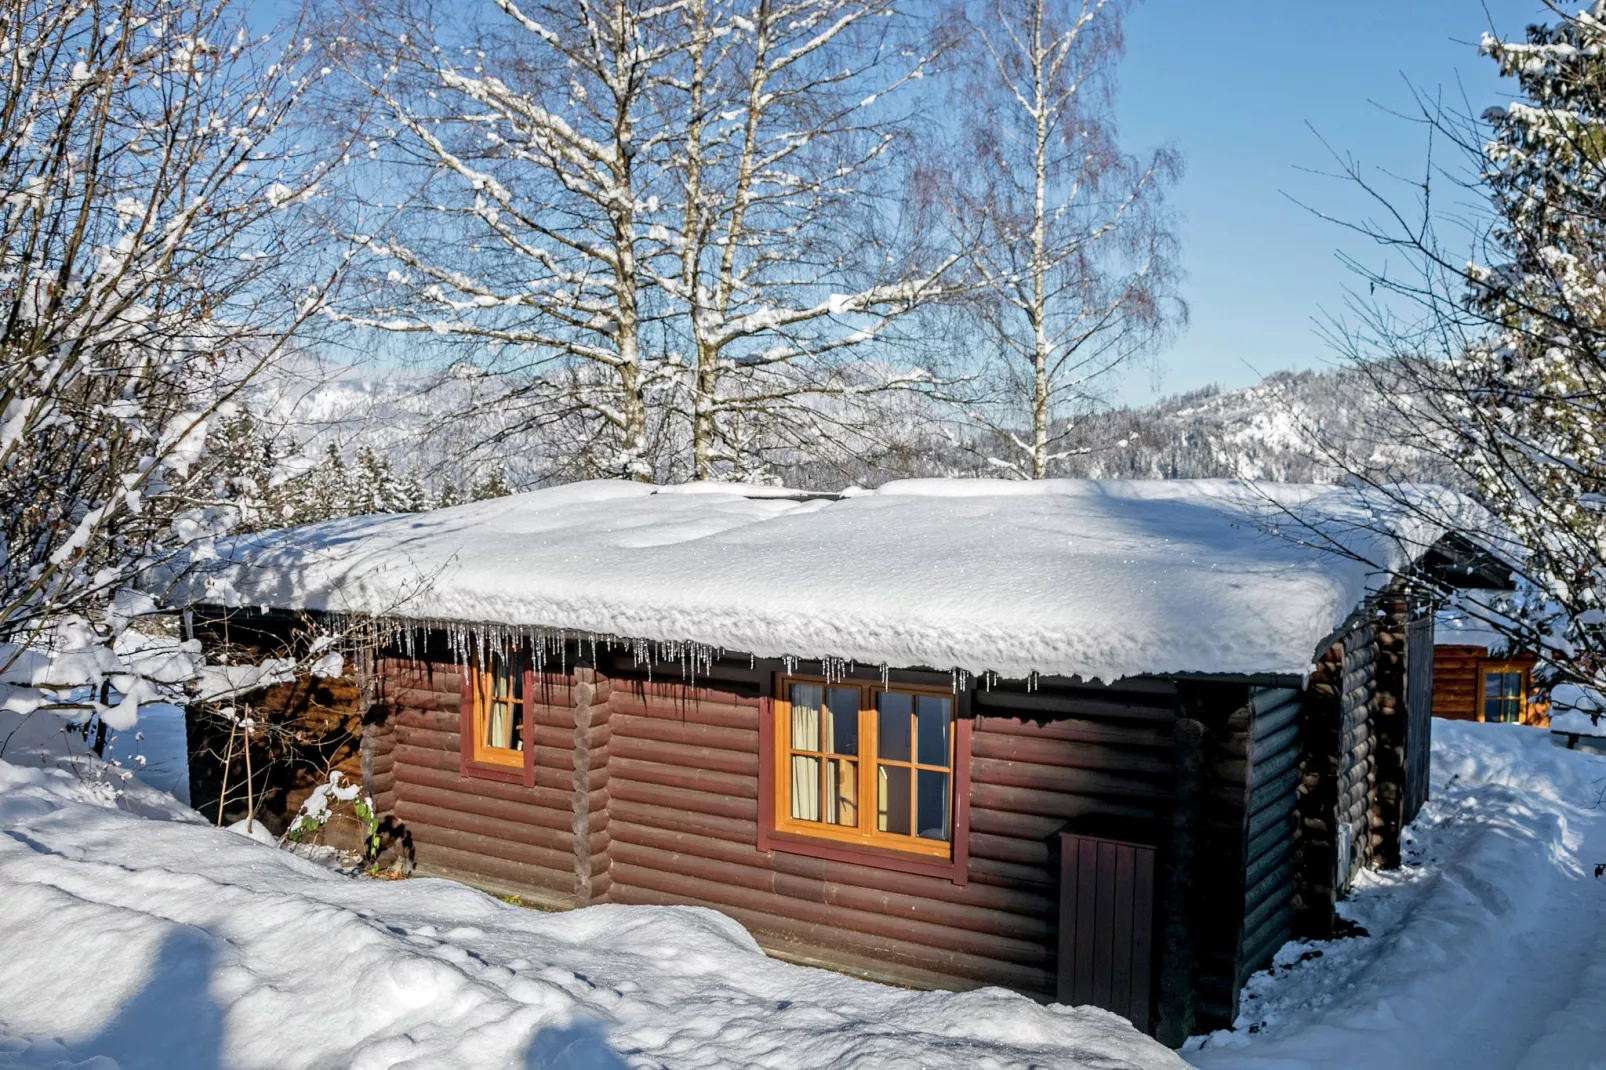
column 325, row 803
column 145, row 280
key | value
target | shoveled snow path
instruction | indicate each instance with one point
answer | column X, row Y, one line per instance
column 1487, row 951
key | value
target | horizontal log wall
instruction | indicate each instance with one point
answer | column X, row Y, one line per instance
column 1455, row 681
column 683, row 820
column 487, row 831
column 647, row 792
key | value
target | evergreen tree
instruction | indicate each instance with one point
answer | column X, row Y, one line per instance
column 491, row 485
column 1504, row 376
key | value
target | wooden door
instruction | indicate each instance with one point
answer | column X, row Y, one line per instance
column 1106, row 929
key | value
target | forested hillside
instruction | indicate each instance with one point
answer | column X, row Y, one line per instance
column 354, row 442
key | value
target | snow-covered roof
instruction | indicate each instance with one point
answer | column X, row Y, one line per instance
column 1468, row 619
column 1102, row 579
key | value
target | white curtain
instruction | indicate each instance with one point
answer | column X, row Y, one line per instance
column 805, row 770
column 496, row 725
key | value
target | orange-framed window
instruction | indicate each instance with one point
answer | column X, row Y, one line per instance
column 1502, row 691
column 866, row 765
column 499, row 710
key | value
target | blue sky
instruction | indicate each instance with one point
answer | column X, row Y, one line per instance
column 1233, row 85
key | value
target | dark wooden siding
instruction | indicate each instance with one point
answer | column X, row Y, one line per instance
column 1419, row 692
column 647, row 790
column 1357, row 763
column 1390, row 729
column 683, row 805
column 1270, row 829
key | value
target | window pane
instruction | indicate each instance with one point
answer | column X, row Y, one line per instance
column 1502, row 696
column 501, row 679
column 892, row 726
column 932, row 802
column 841, row 792
column 805, row 788
column 806, row 717
column 515, row 717
column 497, row 724
column 892, row 803
column 931, row 729
column 842, row 720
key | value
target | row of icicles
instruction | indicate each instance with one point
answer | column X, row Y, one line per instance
column 550, row 648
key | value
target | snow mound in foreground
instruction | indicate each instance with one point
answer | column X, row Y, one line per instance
column 145, row 940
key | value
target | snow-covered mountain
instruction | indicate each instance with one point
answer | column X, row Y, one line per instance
column 1290, row 427
column 446, row 430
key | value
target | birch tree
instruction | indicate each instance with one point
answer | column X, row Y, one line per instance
column 521, row 165
column 150, row 265
column 795, row 253
column 1071, row 244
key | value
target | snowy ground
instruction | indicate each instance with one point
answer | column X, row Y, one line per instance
column 133, row 935
column 1487, row 951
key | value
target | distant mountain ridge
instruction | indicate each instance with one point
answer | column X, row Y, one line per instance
column 1301, row 427
column 1290, row 427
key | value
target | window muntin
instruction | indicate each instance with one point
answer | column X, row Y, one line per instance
column 1504, row 692
column 892, row 747
column 499, row 710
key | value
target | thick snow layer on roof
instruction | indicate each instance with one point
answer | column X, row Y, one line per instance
column 138, row 936
column 1102, row 579
column 1470, row 619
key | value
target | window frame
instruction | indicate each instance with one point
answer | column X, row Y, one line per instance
column 778, row 831
column 483, row 762
column 1524, row 686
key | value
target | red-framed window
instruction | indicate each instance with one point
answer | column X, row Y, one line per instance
column 860, row 772
column 496, row 721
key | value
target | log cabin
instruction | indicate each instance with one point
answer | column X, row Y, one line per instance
column 1107, row 743
column 1478, row 676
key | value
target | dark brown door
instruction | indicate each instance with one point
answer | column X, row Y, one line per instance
column 1106, row 925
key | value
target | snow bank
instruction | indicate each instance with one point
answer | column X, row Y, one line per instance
column 1579, row 710
column 1487, row 950
column 154, row 752
column 1101, row 579
column 170, row 945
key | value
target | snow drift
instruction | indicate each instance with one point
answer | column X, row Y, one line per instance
column 134, row 936
column 1102, row 579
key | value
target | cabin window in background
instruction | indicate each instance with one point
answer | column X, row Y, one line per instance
column 868, row 765
column 1504, row 691
column 499, row 710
